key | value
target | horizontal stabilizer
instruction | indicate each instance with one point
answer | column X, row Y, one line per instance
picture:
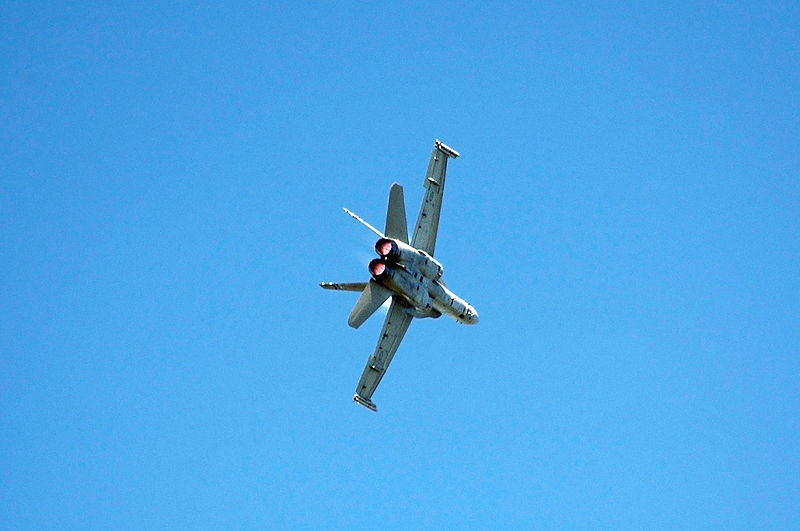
column 344, row 286
column 371, row 299
column 366, row 402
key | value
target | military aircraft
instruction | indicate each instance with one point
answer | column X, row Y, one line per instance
column 407, row 273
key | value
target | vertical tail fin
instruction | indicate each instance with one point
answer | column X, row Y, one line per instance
column 371, row 299
column 396, row 224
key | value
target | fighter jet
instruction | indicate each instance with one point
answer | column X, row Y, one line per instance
column 406, row 272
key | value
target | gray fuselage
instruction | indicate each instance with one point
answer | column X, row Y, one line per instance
column 415, row 276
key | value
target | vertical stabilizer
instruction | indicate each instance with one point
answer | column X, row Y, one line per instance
column 371, row 299
column 396, row 224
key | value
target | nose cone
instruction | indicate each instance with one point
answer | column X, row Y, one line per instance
column 473, row 316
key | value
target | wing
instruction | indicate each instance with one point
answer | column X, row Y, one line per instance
column 394, row 328
column 428, row 219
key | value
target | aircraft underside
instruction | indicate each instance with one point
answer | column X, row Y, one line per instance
column 405, row 272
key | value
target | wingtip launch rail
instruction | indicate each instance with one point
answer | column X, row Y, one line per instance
column 441, row 146
column 366, row 402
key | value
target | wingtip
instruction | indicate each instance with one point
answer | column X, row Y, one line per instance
column 450, row 152
column 366, row 402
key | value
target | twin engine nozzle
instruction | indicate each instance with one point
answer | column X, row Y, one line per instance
column 401, row 253
column 388, row 250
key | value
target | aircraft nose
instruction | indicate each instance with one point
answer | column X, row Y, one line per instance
column 475, row 318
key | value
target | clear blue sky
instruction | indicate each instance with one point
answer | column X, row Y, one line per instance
column 625, row 217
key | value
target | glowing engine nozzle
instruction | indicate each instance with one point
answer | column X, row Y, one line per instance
column 385, row 247
column 377, row 267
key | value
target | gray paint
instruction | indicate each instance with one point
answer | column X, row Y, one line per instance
column 407, row 273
